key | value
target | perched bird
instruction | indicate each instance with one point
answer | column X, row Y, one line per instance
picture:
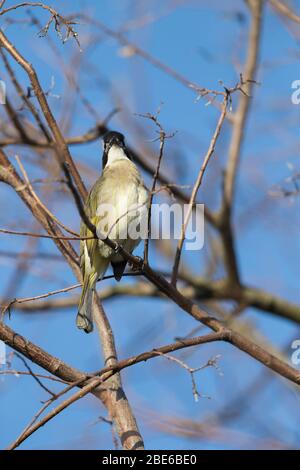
column 117, row 202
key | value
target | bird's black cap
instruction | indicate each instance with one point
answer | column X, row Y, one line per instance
column 113, row 137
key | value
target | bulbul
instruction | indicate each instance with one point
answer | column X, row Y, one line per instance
column 116, row 206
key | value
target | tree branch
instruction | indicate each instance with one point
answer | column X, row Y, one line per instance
column 198, row 182
column 224, row 220
column 285, row 10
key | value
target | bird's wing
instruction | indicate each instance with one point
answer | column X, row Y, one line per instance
column 88, row 248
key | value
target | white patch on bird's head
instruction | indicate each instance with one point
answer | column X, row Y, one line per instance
column 116, row 153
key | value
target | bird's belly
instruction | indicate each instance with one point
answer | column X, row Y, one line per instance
column 128, row 212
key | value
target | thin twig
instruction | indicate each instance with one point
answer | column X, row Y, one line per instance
column 40, row 235
column 62, row 152
column 285, row 10
column 247, row 81
column 198, row 182
column 55, row 18
column 162, row 138
column 53, row 217
column 192, row 370
column 34, row 376
column 102, row 376
column 16, row 373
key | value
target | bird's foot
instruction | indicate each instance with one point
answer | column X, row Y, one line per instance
column 139, row 266
column 117, row 248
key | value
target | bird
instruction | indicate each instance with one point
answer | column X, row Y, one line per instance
column 117, row 202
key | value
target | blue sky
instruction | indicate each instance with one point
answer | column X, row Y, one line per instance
column 205, row 42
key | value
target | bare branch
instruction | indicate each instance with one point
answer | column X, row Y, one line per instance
column 61, row 148
column 198, row 182
column 238, row 132
column 197, row 289
column 285, row 10
column 192, row 370
column 55, row 18
column 162, row 137
column 244, row 100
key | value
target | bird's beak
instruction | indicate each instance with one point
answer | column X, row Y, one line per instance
column 117, row 142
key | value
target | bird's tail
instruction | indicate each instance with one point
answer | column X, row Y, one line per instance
column 84, row 319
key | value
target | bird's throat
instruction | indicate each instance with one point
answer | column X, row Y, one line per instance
column 116, row 153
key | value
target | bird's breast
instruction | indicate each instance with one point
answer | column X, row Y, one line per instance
column 124, row 199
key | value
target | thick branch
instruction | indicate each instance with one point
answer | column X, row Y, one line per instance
column 120, row 410
column 61, row 370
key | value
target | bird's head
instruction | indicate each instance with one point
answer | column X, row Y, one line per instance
column 113, row 138
column 114, row 147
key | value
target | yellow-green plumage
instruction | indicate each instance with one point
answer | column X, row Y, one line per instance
column 119, row 186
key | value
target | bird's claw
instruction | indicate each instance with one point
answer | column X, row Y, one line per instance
column 117, row 249
column 140, row 266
